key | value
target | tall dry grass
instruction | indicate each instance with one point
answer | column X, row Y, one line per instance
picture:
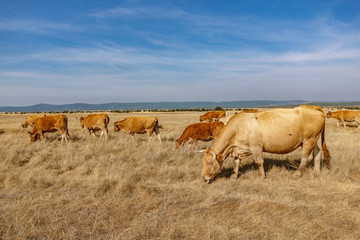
column 132, row 188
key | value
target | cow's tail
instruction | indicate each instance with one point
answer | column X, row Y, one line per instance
column 66, row 127
column 157, row 125
column 326, row 152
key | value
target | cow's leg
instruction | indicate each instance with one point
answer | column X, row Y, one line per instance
column 189, row 142
column 93, row 133
column 102, row 133
column 357, row 119
column 149, row 133
column 338, row 123
column 235, row 175
column 41, row 135
column 195, row 144
column 106, row 133
column 342, row 120
column 307, row 148
column 317, row 155
column 259, row 160
column 64, row 136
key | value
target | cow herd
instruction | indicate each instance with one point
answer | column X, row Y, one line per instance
column 94, row 122
column 248, row 133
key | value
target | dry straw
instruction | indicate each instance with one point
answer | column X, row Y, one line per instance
column 132, row 188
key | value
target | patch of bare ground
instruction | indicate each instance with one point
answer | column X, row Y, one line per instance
column 132, row 188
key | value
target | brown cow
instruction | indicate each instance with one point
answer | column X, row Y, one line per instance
column 30, row 120
column 199, row 131
column 139, row 125
column 96, row 122
column 210, row 116
column 345, row 116
column 275, row 131
column 50, row 124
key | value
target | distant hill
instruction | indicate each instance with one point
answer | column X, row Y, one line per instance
column 164, row 105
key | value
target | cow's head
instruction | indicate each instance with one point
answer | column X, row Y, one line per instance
column 178, row 144
column 81, row 122
column 202, row 118
column 116, row 127
column 212, row 163
column 329, row 114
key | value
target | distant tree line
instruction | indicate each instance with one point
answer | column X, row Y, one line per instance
column 218, row 108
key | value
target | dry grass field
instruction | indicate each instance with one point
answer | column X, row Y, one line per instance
column 132, row 188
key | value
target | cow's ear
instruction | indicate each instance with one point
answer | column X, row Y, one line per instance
column 220, row 157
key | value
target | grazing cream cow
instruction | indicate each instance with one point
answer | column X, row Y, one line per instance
column 50, row 124
column 139, row 125
column 96, row 122
column 210, row 116
column 345, row 116
column 30, row 120
column 275, row 131
column 199, row 131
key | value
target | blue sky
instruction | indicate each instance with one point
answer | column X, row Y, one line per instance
column 61, row 52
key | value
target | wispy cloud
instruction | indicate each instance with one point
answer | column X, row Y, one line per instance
column 139, row 12
column 34, row 26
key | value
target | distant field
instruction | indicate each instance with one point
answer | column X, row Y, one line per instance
column 132, row 188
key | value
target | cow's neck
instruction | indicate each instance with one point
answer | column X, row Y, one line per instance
column 223, row 145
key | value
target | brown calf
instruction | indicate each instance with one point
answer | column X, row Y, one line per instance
column 199, row 131
column 345, row 116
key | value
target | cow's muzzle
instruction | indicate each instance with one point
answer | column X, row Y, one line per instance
column 206, row 179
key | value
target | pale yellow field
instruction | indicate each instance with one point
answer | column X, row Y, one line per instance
column 129, row 188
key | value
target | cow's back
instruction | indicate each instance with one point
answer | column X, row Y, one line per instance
column 33, row 118
column 349, row 115
column 140, row 124
column 206, row 130
column 50, row 122
column 215, row 128
column 96, row 120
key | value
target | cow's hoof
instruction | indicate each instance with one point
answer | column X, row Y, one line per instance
column 297, row 174
column 234, row 176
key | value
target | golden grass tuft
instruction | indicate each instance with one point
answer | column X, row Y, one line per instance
column 132, row 188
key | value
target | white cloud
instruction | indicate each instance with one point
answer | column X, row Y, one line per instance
column 139, row 12
column 34, row 26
